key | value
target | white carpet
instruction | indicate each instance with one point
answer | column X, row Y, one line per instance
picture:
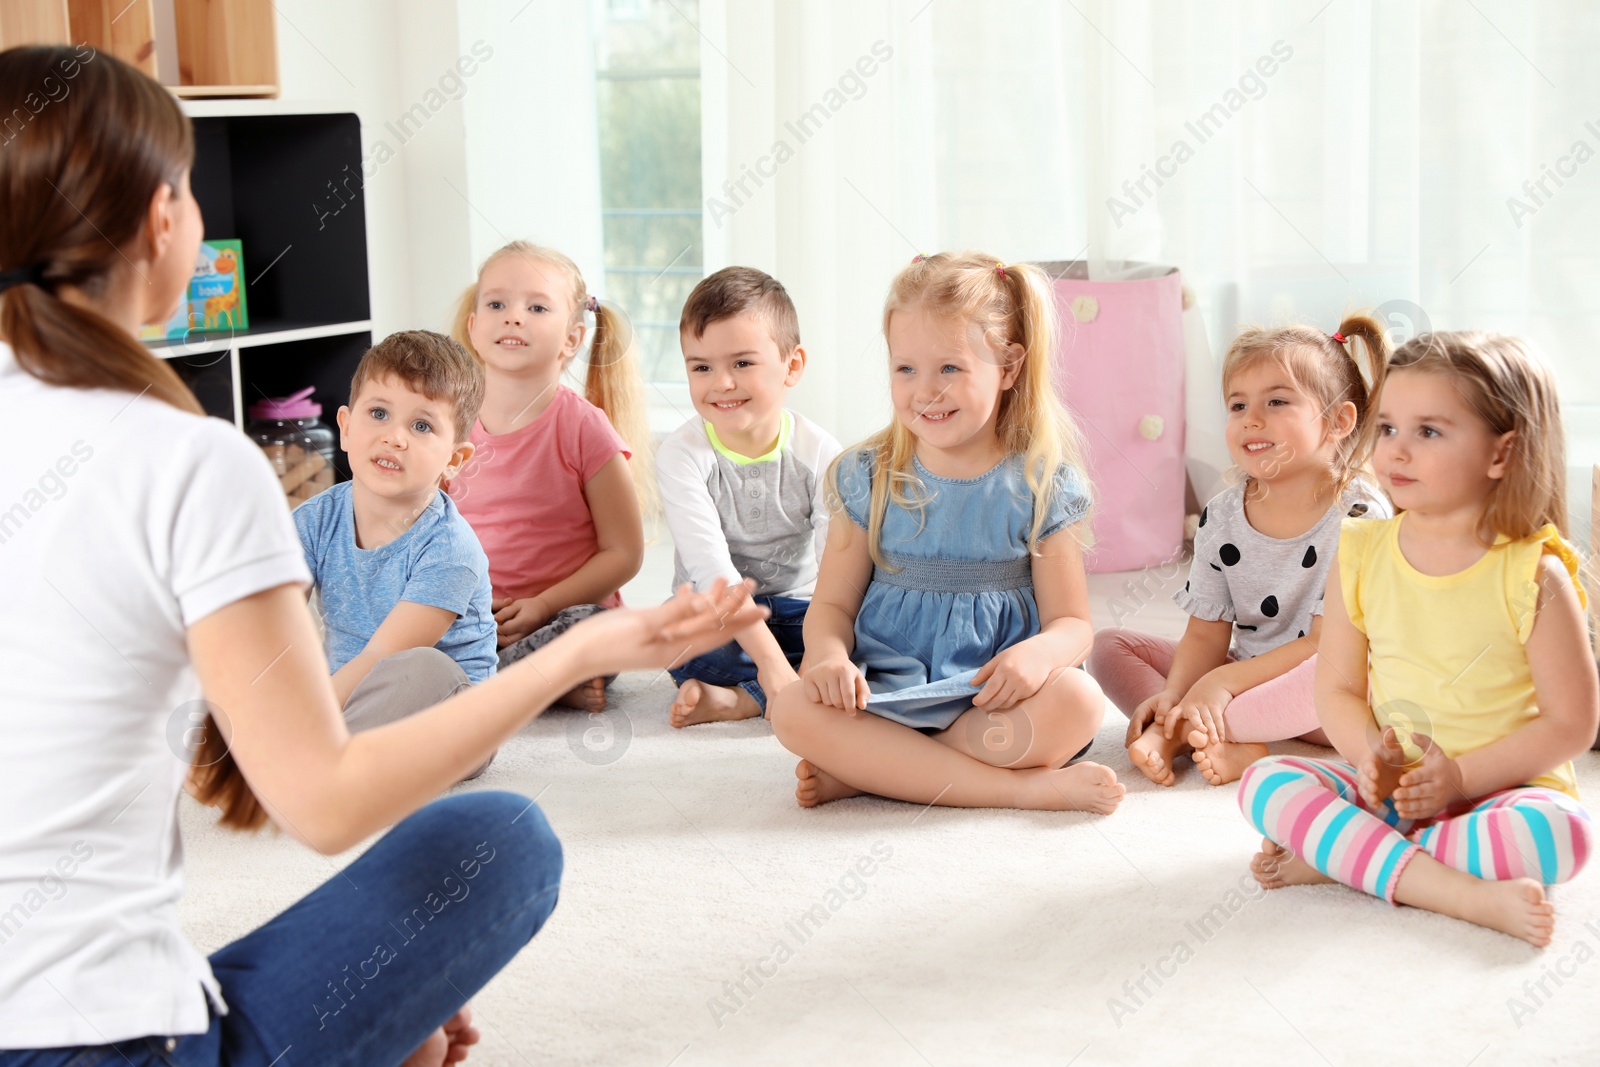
column 985, row 936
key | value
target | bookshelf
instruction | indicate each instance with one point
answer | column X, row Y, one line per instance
column 285, row 180
column 196, row 48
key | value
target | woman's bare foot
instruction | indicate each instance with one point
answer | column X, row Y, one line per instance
column 448, row 1044
column 590, row 696
column 817, row 786
column 1275, row 867
column 1224, row 761
column 1081, row 787
column 1154, row 752
column 698, row 702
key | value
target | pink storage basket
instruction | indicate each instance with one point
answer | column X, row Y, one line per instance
column 1121, row 371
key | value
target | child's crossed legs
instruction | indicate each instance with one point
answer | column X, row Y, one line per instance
column 986, row 759
column 1487, row 863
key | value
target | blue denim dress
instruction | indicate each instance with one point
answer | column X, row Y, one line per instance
column 962, row 587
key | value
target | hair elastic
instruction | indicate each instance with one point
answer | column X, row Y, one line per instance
column 1001, row 267
column 32, row 275
column 918, row 258
column 592, row 304
column 1337, row 336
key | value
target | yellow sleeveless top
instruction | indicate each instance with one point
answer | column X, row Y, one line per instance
column 1445, row 652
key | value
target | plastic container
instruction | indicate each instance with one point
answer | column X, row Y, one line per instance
column 297, row 443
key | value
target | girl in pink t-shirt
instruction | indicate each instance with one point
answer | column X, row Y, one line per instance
column 550, row 491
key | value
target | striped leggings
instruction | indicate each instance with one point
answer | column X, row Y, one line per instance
column 1313, row 808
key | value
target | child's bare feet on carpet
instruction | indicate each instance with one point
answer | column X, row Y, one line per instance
column 1516, row 906
column 451, row 1043
column 1275, row 867
column 1224, row 761
column 1087, row 787
column 699, row 702
column 1154, row 752
column 590, row 696
column 817, row 786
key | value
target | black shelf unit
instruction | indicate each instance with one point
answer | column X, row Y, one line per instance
column 287, row 184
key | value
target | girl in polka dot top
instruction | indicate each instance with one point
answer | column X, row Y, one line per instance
column 1298, row 420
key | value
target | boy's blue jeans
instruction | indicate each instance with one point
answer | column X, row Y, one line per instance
column 360, row 972
column 730, row 665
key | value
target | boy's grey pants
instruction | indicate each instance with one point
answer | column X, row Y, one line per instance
column 404, row 684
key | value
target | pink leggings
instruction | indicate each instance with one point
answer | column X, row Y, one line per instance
column 1131, row 667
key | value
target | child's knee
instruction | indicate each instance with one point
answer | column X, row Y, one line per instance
column 791, row 715
column 1075, row 695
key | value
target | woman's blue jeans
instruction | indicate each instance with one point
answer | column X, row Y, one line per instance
column 360, row 972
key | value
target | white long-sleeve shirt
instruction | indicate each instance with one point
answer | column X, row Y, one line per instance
column 734, row 516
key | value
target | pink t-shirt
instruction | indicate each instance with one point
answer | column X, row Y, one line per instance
column 523, row 494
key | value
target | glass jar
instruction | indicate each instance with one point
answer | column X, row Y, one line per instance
column 296, row 442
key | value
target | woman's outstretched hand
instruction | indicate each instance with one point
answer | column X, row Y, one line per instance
column 631, row 639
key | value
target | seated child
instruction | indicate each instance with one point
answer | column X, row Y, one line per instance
column 554, row 490
column 951, row 605
column 742, row 487
column 404, row 585
column 1298, row 412
column 1454, row 673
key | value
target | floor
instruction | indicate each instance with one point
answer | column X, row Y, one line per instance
column 945, row 937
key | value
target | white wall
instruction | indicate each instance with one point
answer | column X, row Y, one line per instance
column 409, row 70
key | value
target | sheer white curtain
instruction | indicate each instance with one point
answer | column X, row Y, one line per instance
column 1334, row 156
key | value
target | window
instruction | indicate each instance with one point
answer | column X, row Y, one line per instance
column 647, row 77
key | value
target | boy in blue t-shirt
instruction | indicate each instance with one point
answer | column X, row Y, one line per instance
column 403, row 581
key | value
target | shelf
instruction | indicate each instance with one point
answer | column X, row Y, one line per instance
column 254, row 108
column 271, row 334
column 201, row 92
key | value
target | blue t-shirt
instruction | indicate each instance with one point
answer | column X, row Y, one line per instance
column 437, row 562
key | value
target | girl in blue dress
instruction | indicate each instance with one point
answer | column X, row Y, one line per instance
column 951, row 608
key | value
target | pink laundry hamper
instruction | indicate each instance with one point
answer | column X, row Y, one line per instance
column 1121, row 373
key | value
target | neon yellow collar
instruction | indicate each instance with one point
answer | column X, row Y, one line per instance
column 738, row 457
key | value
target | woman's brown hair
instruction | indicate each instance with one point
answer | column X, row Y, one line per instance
column 90, row 142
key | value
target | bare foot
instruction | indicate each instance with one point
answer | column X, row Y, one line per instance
column 448, row 1044
column 1224, row 761
column 1080, row 787
column 590, row 696
column 817, row 786
column 1275, row 867
column 1154, row 752
column 1517, row 907
column 698, row 702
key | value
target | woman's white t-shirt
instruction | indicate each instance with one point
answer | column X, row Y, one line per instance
column 123, row 521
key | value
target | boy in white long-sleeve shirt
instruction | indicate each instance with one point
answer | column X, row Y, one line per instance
column 742, row 487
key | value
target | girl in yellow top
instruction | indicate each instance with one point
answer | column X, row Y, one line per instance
column 1453, row 675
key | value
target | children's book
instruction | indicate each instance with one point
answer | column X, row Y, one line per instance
column 216, row 295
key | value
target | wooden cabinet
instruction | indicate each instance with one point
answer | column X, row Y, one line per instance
column 197, row 48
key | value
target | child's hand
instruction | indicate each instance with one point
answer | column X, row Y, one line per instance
column 1154, row 709
column 1429, row 785
column 836, row 683
column 1011, row 677
column 516, row 619
column 627, row 639
column 1201, row 707
column 1380, row 769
